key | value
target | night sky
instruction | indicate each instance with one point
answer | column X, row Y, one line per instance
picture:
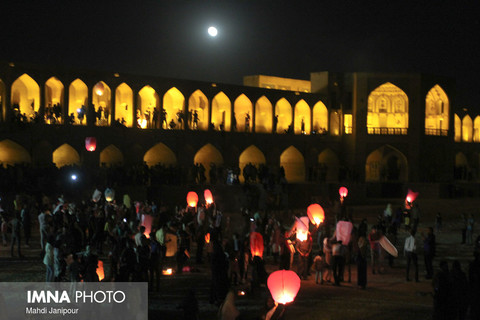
column 280, row 38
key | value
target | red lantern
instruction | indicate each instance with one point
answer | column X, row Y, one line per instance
column 256, row 244
column 192, row 199
column 315, row 213
column 90, row 143
column 343, row 192
column 411, row 196
column 207, row 194
column 100, row 272
column 283, row 286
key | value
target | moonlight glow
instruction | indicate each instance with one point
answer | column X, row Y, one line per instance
column 212, row 31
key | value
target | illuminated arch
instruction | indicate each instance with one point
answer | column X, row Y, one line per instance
column 25, row 96
column 207, row 155
column 386, row 164
column 221, row 111
column 242, row 106
column 263, row 115
column 387, row 108
column 111, row 156
column 283, row 111
column 329, row 163
column 160, row 154
column 198, row 102
column 174, row 105
column 334, row 123
column 458, row 128
column 436, row 111
column 124, row 104
column 147, row 103
column 293, row 163
column 302, row 113
column 467, row 129
column 78, row 101
column 65, row 155
column 320, row 118
column 476, row 129
column 251, row 155
column 53, row 101
column 11, row 153
column 3, row 111
column 102, row 100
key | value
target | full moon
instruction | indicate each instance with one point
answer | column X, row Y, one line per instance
column 212, row 31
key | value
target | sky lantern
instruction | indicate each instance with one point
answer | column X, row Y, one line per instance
column 343, row 192
column 315, row 214
column 99, row 89
column 344, row 231
column 256, row 244
column 192, row 199
column 109, row 194
column 207, row 238
column 167, row 272
column 411, row 196
column 283, row 286
column 207, row 194
column 100, row 272
column 90, row 144
column 147, row 221
column 302, row 228
column 97, row 195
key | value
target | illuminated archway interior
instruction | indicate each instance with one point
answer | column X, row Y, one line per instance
column 320, row 118
column 12, row 153
column 198, row 111
column 263, row 115
column 476, row 129
column 302, row 118
column 124, row 105
column 111, row 156
column 102, row 100
column 148, row 108
column 387, row 110
column 467, row 129
column 206, row 156
column 283, row 112
column 65, row 155
column 335, row 123
column 174, row 106
column 53, row 101
column 386, row 164
column 25, row 97
column 221, row 116
column 160, row 154
column 243, row 110
column 293, row 163
column 252, row 155
column 3, row 111
column 78, row 102
column 458, row 128
column 329, row 165
column 436, row 112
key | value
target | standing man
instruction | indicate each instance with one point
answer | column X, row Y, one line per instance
column 304, row 248
column 43, row 226
column 25, row 216
column 429, row 252
column 15, row 225
column 410, row 250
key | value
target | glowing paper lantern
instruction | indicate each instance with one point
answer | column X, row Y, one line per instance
column 315, row 213
column 100, row 272
column 192, row 199
column 97, row 194
column 302, row 228
column 283, row 286
column 90, row 144
column 167, row 272
column 343, row 192
column 109, row 194
column 411, row 196
column 207, row 238
column 207, row 194
column 99, row 89
column 147, row 221
column 344, row 231
column 256, row 244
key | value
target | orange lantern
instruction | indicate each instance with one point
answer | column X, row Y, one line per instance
column 207, row 238
column 100, row 272
column 302, row 228
column 207, row 194
column 256, row 244
column 316, row 214
column 283, row 286
column 90, row 143
column 192, row 199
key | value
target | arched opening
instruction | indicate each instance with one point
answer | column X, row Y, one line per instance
column 320, row 118
column 476, row 129
column 221, row 112
column 386, row 164
column 198, row 111
column 436, row 112
column 78, row 102
column 328, row 166
column 11, row 153
column 467, row 129
column 111, row 156
column 25, row 98
column 283, row 113
column 335, row 123
column 148, row 103
column 208, row 157
column 174, row 109
column 65, row 155
column 458, row 128
column 124, row 105
column 387, row 110
column 302, row 118
column 462, row 167
column 243, row 110
column 102, row 100
column 249, row 161
column 160, row 154
column 263, row 115
column 293, row 164
column 53, row 101
column 3, row 110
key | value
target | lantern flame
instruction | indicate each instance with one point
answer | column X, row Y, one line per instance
column 192, row 199
column 302, row 235
column 207, row 238
column 167, row 272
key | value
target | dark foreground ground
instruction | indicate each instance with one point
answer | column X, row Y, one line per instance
column 388, row 295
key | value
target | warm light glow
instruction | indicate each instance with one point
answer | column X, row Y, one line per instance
column 147, row 222
column 411, row 196
column 315, row 213
column 302, row 235
column 256, row 244
column 90, row 143
column 192, row 199
column 207, row 238
column 436, row 112
column 99, row 89
column 212, row 31
column 207, row 194
column 294, row 164
column 167, row 272
column 100, row 272
column 343, row 192
column 65, row 155
column 109, row 194
column 283, row 285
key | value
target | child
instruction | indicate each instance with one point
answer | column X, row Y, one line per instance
column 319, row 265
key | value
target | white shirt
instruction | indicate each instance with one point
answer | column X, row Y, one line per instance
column 410, row 245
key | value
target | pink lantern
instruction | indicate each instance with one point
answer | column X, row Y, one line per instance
column 411, row 196
column 315, row 214
column 192, row 199
column 207, row 194
column 90, row 143
column 344, row 231
column 343, row 192
column 256, row 244
column 283, row 286
column 302, row 228
column 147, row 221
